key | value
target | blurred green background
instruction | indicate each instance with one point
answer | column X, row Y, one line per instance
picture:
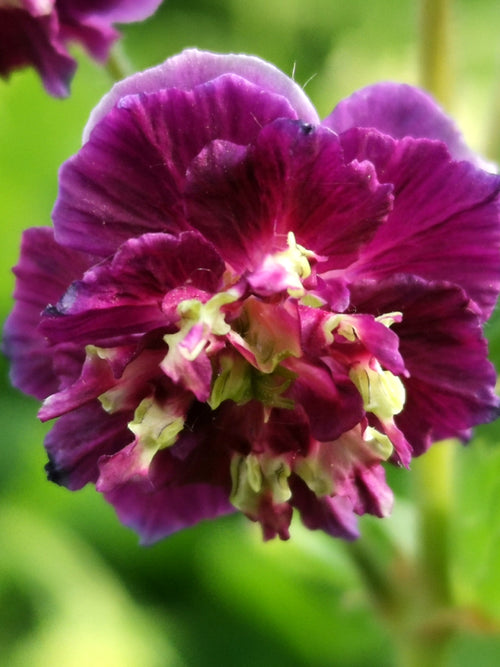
column 75, row 587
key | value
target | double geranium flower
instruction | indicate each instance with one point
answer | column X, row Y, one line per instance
column 245, row 307
column 36, row 32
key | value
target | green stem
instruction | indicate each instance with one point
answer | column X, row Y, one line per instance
column 420, row 652
column 433, row 472
column 415, row 597
column 435, row 42
column 433, row 481
column 429, row 623
column 376, row 576
column 492, row 148
column 118, row 65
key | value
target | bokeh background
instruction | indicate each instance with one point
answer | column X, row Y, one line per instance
column 75, row 587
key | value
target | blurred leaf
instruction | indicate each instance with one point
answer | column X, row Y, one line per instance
column 304, row 592
column 476, row 537
column 78, row 613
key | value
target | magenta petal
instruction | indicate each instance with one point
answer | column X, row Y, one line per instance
column 357, row 473
column 377, row 339
column 451, row 385
column 293, row 179
column 42, row 275
column 94, row 35
column 192, row 68
column 37, row 33
column 194, row 375
column 79, row 438
column 122, row 297
column 315, row 334
column 223, row 204
column 332, row 208
column 403, row 450
column 144, row 270
column 33, row 40
column 401, row 111
column 444, row 225
column 349, row 467
column 34, row 7
column 333, row 292
column 105, row 327
column 274, row 519
column 124, row 466
column 128, row 179
column 155, row 513
column 373, row 494
column 287, row 432
column 119, row 11
column 96, row 378
column 334, row 515
column 329, row 398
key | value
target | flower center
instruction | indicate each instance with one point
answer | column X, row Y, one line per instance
column 199, row 321
column 268, row 338
column 284, row 271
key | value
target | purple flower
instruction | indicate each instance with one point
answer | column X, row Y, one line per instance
column 245, row 307
column 36, row 32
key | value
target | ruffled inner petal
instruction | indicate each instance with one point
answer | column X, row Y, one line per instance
column 401, row 111
column 444, row 225
column 122, row 298
column 293, row 178
column 128, row 179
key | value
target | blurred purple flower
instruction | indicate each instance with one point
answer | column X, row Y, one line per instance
column 37, row 32
column 245, row 307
